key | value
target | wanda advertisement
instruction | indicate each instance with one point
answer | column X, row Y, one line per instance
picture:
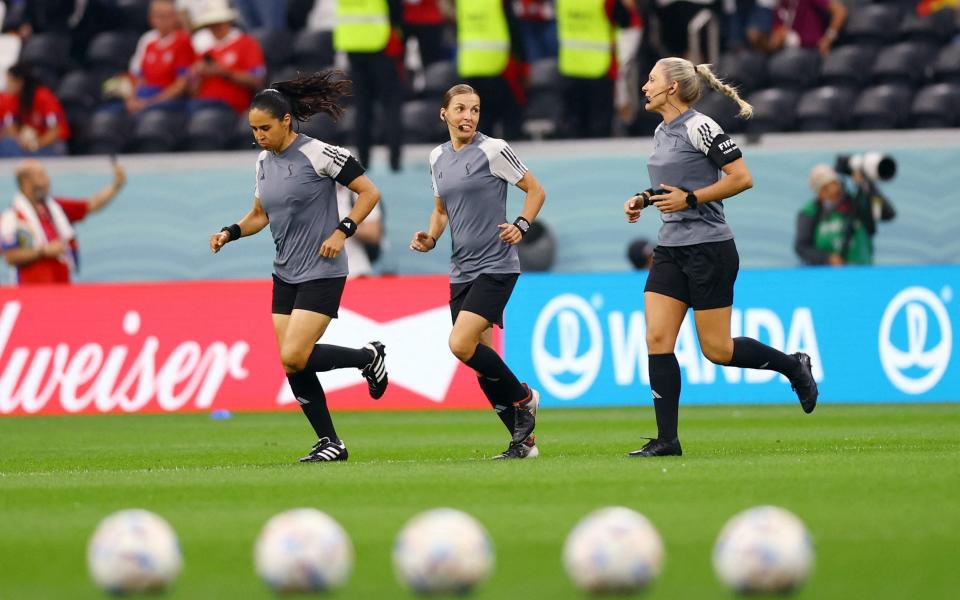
column 204, row 346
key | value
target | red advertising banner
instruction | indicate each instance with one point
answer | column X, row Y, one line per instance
column 202, row 346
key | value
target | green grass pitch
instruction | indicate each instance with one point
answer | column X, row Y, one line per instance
column 878, row 486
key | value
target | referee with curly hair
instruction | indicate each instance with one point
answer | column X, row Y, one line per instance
column 695, row 263
column 296, row 196
column 471, row 174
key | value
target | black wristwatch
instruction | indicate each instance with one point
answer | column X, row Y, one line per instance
column 692, row 200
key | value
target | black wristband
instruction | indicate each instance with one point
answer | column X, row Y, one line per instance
column 522, row 224
column 434, row 241
column 347, row 226
column 234, row 231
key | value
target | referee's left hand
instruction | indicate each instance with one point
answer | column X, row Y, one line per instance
column 675, row 201
column 332, row 246
column 510, row 233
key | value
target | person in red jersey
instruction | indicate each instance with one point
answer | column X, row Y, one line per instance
column 231, row 66
column 163, row 58
column 37, row 232
column 32, row 118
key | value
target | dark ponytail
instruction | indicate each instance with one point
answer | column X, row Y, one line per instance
column 305, row 96
column 24, row 73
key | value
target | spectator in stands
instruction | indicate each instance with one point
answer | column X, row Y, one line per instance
column 749, row 24
column 807, row 24
column 362, row 248
column 587, row 62
column 160, row 64
column 370, row 35
column 190, row 11
column 426, row 20
column 37, row 232
column 537, row 22
column 262, row 14
column 33, row 120
column 837, row 228
column 232, row 68
column 491, row 56
column 673, row 19
column 10, row 44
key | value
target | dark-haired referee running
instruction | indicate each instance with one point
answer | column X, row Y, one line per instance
column 470, row 175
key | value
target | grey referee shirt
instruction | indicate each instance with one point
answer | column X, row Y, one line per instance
column 472, row 184
column 297, row 189
column 689, row 153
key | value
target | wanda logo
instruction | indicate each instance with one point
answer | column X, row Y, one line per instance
column 109, row 378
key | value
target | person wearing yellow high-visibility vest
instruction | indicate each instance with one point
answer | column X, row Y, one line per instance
column 491, row 57
column 369, row 32
column 587, row 63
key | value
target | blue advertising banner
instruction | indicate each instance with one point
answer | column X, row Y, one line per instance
column 875, row 334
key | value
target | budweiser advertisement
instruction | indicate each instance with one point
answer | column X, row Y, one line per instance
column 202, row 346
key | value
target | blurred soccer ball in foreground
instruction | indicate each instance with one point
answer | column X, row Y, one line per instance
column 133, row 551
column 613, row 550
column 303, row 550
column 443, row 551
column 765, row 549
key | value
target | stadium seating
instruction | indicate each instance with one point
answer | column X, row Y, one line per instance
column 825, row 108
column 746, row 70
column 438, row 78
column 545, row 76
column 134, row 14
column 934, row 29
column 905, row 62
column 156, row 131
column 885, row 106
column 774, row 109
column 48, row 51
column 79, row 89
column 849, row 65
column 321, row 127
column 421, row 122
column 312, row 50
column 875, row 24
column 544, row 116
column 109, row 52
column 795, row 68
column 946, row 67
column 275, row 45
column 937, row 105
column 722, row 110
column 106, row 133
column 210, row 129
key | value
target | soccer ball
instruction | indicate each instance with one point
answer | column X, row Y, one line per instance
column 443, row 551
column 303, row 550
column 133, row 551
column 765, row 549
column 613, row 550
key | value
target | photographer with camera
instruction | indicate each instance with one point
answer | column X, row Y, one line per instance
column 837, row 227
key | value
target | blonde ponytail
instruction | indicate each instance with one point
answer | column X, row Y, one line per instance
column 706, row 73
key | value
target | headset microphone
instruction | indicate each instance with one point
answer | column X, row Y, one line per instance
column 650, row 98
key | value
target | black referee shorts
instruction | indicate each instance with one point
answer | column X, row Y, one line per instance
column 701, row 275
column 487, row 296
column 317, row 295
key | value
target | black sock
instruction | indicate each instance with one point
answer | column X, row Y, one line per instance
column 665, row 386
column 325, row 357
column 504, row 410
column 487, row 362
column 313, row 402
column 749, row 353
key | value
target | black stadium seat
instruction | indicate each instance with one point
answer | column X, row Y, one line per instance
column 312, row 50
column 438, row 78
column 774, row 109
column 320, row 127
column 47, row 50
column 134, row 14
column 109, row 52
column 210, row 129
column 275, row 44
column 545, row 76
column 79, row 89
column 934, row 29
column 156, row 131
column 747, row 71
column 906, row 62
column 873, row 24
column 825, row 108
column 796, row 68
column 543, row 116
column 421, row 122
column 936, row 105
column 946, row 67
column 885, row 106
column 849, row 65
column 107, row 133
column 721, row 109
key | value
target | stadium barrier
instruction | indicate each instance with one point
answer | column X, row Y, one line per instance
column 199, row 346
column 881, row 334
column 875, row 335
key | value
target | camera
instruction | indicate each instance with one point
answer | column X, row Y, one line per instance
column 874, row 165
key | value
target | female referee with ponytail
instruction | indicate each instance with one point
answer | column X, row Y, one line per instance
column 295, row 194
column 695, row 263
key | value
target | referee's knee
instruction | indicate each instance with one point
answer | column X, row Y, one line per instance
column 462, row 349
column 717, row 353
column 293, row 360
